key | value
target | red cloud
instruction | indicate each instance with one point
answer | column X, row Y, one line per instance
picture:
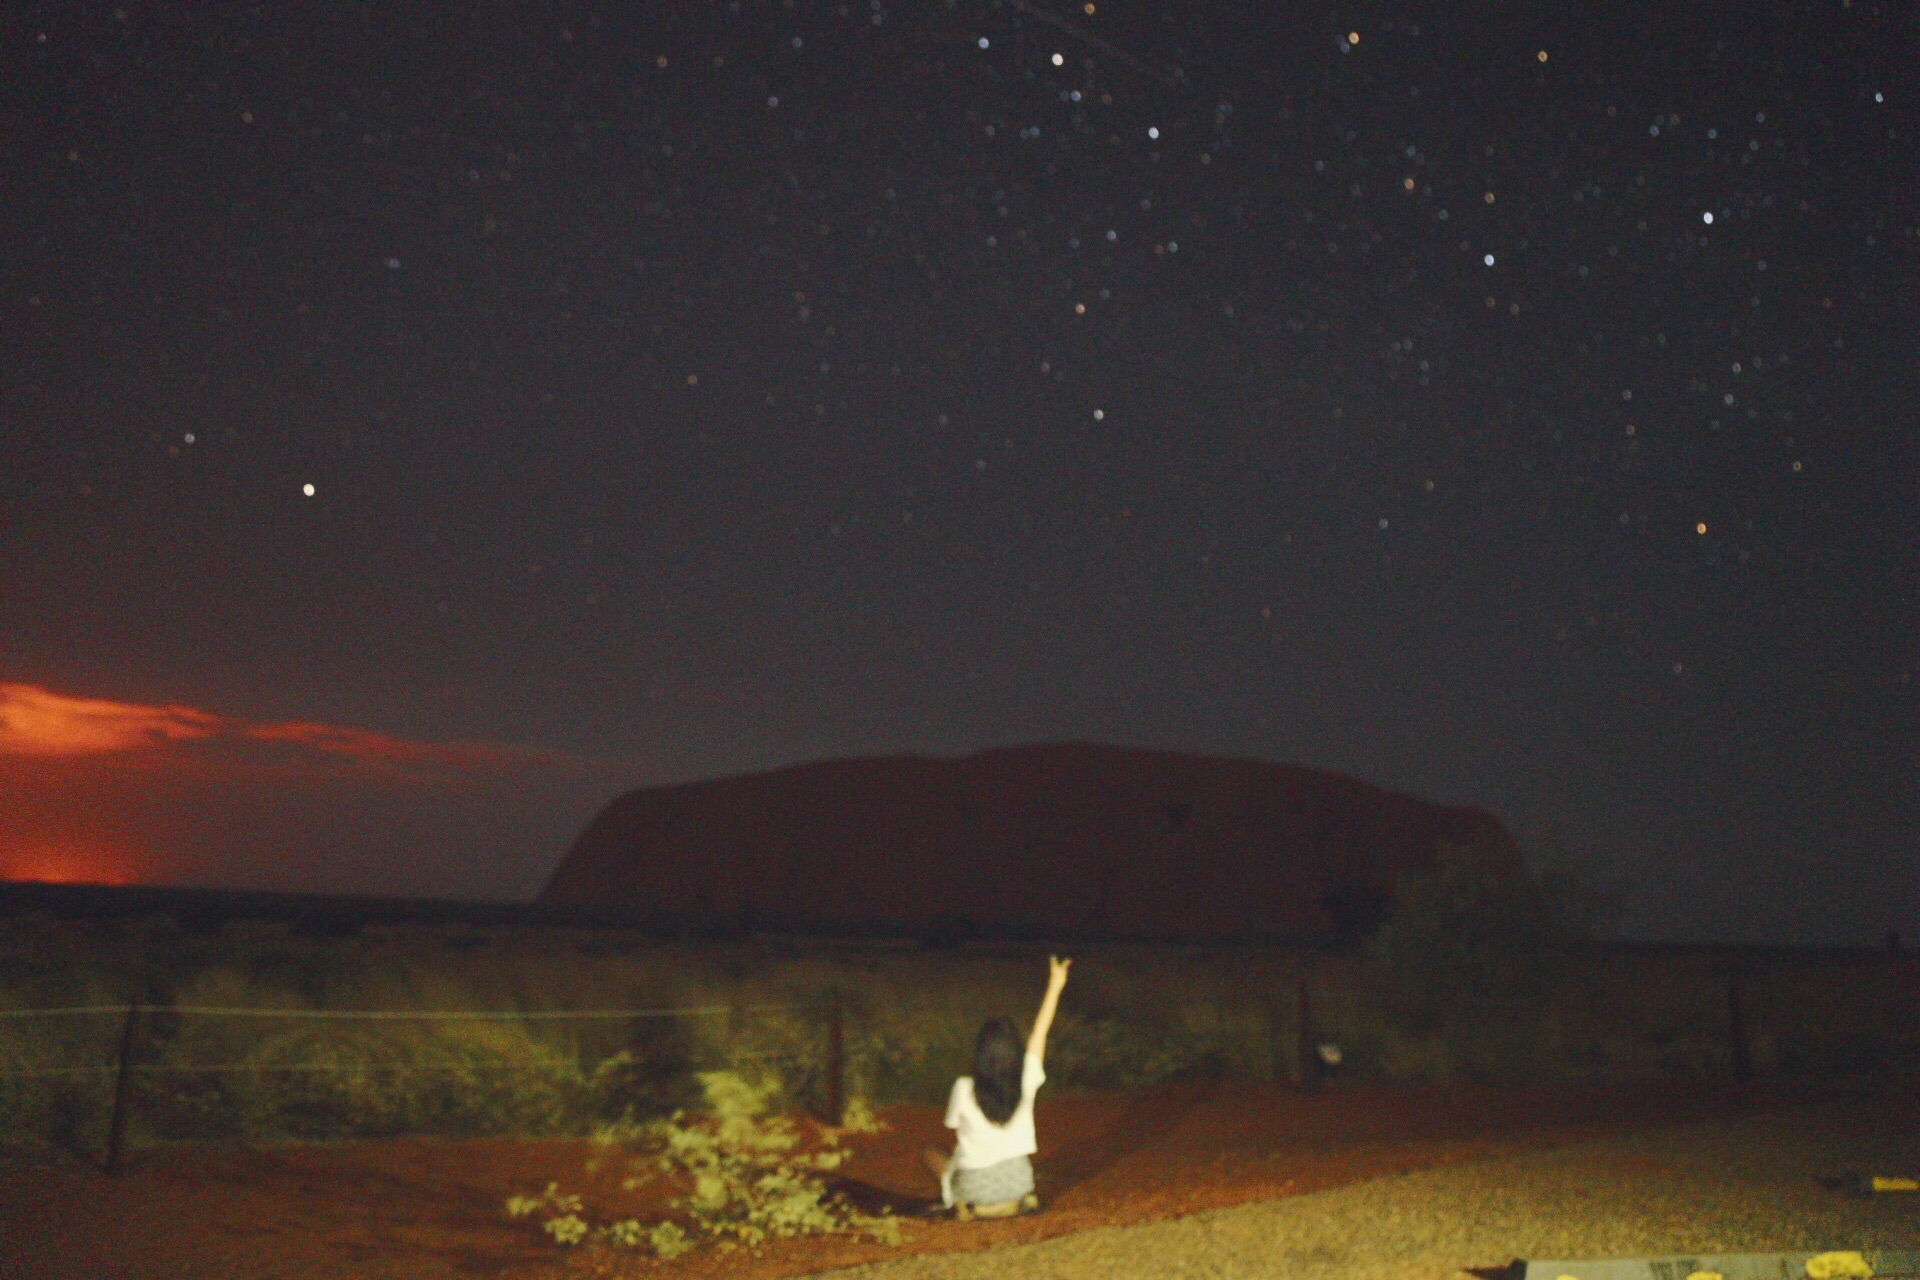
column 37, row 722
column 423, row 760
column 116, row 792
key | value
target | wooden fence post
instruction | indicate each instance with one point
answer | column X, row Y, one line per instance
column 1309, row 1050
column 117, row 1121
column 836, row 1061
column 1737, row 1035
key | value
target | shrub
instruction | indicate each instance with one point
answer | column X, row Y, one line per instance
column 750, row 1180
column 1113, row 1052
column 275, row 1079
column 56, row 1082
column 28, row 1087
column 319, row 1081
column 1471, row 953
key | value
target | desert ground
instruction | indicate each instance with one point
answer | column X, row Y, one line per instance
column 1198, row 1178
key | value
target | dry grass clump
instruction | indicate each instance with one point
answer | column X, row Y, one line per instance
column 750, row 1179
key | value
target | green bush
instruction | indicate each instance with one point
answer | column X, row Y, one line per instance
column 1107, row 1052
column 1468, row 961
column 28, row 1090
column 267, row 1079
column 750, row 1181
column 56, row 1081
column 467, row 1079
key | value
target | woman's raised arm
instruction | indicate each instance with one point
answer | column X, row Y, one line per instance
column 1056, row 979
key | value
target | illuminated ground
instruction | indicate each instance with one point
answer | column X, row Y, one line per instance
column 1198, row 1180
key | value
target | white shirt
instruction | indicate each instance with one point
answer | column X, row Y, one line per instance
column 981, row 1142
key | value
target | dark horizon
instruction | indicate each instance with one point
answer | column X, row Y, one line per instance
column 199, row 908
column 421, row 428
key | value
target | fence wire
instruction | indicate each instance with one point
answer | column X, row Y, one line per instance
column 385, row 1015
column 708, row 1010
column 118, row 1069
column 322, row 1068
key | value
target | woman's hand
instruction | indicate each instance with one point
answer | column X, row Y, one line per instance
column 1056, row 981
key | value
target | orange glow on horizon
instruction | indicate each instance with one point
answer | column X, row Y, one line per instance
column 109, row 792
column 69, row 862
column 100, row 791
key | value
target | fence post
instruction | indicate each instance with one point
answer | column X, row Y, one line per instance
column 117, row 1121
column 836, row 1060
column 1309, row 1051
column 1737, row 1035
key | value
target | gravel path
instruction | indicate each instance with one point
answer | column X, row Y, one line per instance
column 1739, row 1186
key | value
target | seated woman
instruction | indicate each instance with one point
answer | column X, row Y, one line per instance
column 989, row 1174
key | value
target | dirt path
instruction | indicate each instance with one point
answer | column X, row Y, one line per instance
column 419, row 1210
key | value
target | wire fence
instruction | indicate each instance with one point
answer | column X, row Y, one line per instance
column 402, row 1015
column 814, row 1039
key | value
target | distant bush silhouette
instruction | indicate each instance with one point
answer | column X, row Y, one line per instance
column 1473, row 950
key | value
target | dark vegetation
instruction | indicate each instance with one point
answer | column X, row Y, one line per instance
column 1474, row 974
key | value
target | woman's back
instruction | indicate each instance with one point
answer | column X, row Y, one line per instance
column 980, row 1142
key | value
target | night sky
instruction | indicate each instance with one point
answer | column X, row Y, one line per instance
column 419, row 423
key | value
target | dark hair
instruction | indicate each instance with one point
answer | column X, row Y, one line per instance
column 997, row 1065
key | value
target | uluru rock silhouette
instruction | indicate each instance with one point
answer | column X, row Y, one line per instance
column 1059, row 840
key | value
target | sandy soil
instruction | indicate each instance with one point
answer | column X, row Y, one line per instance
column 1748, row 1183
column 425, row 1210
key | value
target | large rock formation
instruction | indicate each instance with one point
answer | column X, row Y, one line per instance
column 1066, row 840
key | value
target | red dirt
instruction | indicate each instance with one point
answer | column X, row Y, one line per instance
column 427, row 1210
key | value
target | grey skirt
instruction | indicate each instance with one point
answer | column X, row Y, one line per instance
column 995, row 1184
